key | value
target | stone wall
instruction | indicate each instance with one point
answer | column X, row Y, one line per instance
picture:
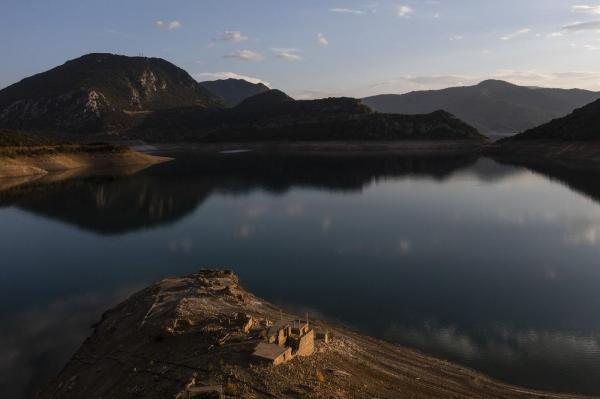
column 306, row 344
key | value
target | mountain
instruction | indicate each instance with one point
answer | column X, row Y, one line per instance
column 274, row 116
column 583, row 124
column 98, row 93
column 494, row 107
column 150, row 98
column 12, row 138
column 234, row 91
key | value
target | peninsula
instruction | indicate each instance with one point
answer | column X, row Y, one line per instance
column 204, row 336
column 27, row 155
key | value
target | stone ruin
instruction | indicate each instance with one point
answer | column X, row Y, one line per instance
column 286, row 340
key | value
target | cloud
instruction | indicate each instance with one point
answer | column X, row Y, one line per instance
column 403, row 11
column 244, row 231
column 582, row 27
column 404, row 246
column 288, row 54
column 228, row 75
column 502, row 344
column 233, row 36
column 180, row 245
column 37, row 341
column 326, row 224
column 566, row 79
column 294, row 209
column 518, row 33
column 309, row 94
column 449, row 80
column 168, row 25
column 347, row 11
column 245, row 55
column 322, row 39
column 456, row 38
column 586, row 9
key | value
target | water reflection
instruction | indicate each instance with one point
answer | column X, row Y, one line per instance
column 490, row 265
column 111, row 204
column 37, row 342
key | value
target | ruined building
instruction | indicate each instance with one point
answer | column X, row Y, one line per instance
column 286, row 340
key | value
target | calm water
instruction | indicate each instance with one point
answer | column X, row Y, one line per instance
column 489, row 265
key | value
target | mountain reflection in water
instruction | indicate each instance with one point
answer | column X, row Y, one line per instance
column 490, row 265
column 167, row 193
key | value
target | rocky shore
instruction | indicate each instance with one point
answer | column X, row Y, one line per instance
column 196, row 336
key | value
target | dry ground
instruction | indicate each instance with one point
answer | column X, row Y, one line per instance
column 186, row 330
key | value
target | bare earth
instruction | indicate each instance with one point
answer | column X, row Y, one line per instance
column 30, row 165
column 185, row 331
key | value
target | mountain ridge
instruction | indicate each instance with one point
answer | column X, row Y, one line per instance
column 274, row 116
column 494, row 107
column 234, row 91
column 99, row 92
column 583, row 124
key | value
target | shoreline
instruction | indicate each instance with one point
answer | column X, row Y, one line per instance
column 319, row 147
column 26, row 162
column 581, row 156
column 183, row 332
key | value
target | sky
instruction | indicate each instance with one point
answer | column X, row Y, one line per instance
column 318, row 48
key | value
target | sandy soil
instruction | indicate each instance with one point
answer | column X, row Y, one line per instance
column 185, row 331
column 24, row 165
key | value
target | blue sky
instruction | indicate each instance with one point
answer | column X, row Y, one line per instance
column 313, row 48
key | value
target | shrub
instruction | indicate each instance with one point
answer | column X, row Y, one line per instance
column 230, row 389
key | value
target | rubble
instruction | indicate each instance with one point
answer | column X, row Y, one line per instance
column 205, row 336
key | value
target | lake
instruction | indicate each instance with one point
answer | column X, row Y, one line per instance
column 492, row 266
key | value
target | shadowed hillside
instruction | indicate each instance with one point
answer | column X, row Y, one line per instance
column 99, row 93
column 494, row 107
column 582, row 124
column 234, row 91
column 274, row 116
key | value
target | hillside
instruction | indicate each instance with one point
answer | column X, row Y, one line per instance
column 495, row 108
column 234, row 91
column 572, row 142
column 23, row 154
column 98, row 93
column 582, row 124
column 274, row 116
column 13, row 138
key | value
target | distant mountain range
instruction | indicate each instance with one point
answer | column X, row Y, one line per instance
column 494, row 107
column 234, row 91
column 150, row 98
column 274, row 116
column 99, row 93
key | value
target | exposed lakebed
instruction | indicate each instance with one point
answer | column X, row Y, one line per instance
column 492, row 266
